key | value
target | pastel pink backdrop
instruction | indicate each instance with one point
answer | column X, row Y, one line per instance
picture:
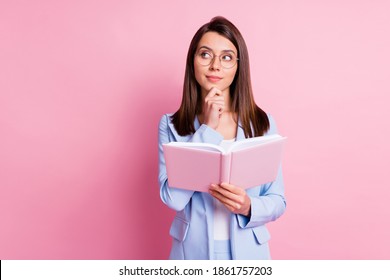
column 83, row 85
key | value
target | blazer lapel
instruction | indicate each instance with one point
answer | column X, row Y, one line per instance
column 240, row 132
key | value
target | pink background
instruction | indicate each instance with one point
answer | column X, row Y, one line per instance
column 83, row 85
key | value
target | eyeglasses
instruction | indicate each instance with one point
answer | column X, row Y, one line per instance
column 205, row 57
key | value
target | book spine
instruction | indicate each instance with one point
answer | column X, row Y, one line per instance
column 225, row 168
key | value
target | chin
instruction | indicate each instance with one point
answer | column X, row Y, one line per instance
column 216, row 85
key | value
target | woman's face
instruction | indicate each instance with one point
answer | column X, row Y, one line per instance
column 215, row 75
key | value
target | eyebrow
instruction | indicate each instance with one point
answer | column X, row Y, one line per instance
column 210, row 49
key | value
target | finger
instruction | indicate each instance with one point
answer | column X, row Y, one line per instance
column 219, row 102
column 227, row 194
column 214, row 99
column 226, row 197
column 237, row 203
column 235, row 207
column 217, row 107
column 218, row 92
column 214, row 91
column 230, row 204
column 232, row 188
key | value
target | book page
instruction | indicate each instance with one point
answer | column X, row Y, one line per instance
column 255, row 141
column 197, row 146
column 256, row 165
column 192, row 169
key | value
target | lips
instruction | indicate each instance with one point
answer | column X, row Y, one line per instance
column 213, row 79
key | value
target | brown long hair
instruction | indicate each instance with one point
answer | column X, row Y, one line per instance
column 241, row 94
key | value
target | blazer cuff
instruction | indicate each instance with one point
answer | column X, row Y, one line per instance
column 246, row 222
column 242, row 220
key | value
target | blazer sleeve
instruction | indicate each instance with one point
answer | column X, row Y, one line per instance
column 270, row 202
column 175, row 198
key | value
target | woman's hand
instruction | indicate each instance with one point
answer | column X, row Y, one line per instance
column 213, row 107
column 234, row 198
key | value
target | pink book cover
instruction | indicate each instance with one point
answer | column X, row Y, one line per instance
column 248, row 163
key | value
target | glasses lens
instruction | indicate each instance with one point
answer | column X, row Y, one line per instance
column 228, row 60
column 204, row 57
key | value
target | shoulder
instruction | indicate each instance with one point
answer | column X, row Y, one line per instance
column 164, row 129
column 165, row 120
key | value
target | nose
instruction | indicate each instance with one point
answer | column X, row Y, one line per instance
column 215, row 63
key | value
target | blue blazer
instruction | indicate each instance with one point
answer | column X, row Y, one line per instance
column 192, row 227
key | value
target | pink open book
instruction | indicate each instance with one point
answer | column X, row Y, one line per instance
column 247, row 163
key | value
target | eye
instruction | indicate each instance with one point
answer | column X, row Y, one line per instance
column 227, row 57
column 205, row 55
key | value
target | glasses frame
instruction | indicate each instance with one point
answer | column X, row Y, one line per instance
column 197, row 54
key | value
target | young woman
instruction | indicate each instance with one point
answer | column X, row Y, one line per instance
column 218, row 107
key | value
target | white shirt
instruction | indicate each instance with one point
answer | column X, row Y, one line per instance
column 221, row 213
